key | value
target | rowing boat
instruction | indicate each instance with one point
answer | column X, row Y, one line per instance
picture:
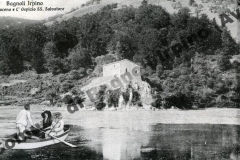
column 14, row 144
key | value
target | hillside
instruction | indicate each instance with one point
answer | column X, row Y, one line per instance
column 188, row 61
column 6, row 22
column 234, row 27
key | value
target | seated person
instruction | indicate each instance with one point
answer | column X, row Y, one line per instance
column 47, row 120
column 46, row 123
column 57, row 126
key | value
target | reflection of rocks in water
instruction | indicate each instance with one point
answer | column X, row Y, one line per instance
column 119, row 144
column 115, row 144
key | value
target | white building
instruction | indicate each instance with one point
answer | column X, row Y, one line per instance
column 120, row 68
column 119, row 75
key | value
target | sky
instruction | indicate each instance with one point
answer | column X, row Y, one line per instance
column 40, row 15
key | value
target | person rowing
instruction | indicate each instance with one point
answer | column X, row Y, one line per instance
column 57, row 126
column 22, row 121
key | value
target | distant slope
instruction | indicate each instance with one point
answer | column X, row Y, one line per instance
column 167, row 4
column 6, row 22
column 95, row 7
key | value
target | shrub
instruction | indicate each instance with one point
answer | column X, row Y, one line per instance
column 157, row 101
column 220, row 88
column 99, row 104
column 126, row 96
column 210, row 83
column 68, row 99
column 66, row 86
column 113, row 97
column 180, row 100
column 224, row 63
column 79, row 100
column 74, row 75
column 136, row 99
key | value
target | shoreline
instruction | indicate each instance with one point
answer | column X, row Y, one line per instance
column 139, row 120
column 229, row 116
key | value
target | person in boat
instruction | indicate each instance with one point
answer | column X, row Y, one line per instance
column 22, row 121
column 47, row 120
column 46, row 123
column 57, row 126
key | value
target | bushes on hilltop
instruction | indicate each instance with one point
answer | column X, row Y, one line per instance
column 144, row 34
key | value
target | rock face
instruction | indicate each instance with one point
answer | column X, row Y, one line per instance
column 145, row 91
column 119, row 75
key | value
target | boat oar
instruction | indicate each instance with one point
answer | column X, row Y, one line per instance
column 69, row 144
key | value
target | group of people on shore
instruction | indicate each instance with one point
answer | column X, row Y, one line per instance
column 51, row 125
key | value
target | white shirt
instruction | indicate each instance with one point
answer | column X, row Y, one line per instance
column 59, row 127
column 23, row 116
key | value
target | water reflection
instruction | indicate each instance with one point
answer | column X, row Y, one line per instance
column 168, row 141
column 161, row 141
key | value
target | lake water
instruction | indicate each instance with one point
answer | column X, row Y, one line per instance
column 129, row 135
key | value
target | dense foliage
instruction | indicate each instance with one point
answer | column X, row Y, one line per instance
column 147, row 35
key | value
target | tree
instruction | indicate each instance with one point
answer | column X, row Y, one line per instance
column 113, row 97
column 50, row 51
column 224, row 63
column 93, row 35
column 229, row 45
column 56, row 66
column 122, row 45
column 157, row 103
column 235, row 97
column 14, row 60
column 51, row 95
column 80, row 58
column 180, row 100
column 159, row 70
column 68, row 99
column 66, row 86
column 136, row 98
column 38, row 61
column 220, row 88
column 180, row 19
column 152, row 16
column 31, row 46
column 63, row 41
